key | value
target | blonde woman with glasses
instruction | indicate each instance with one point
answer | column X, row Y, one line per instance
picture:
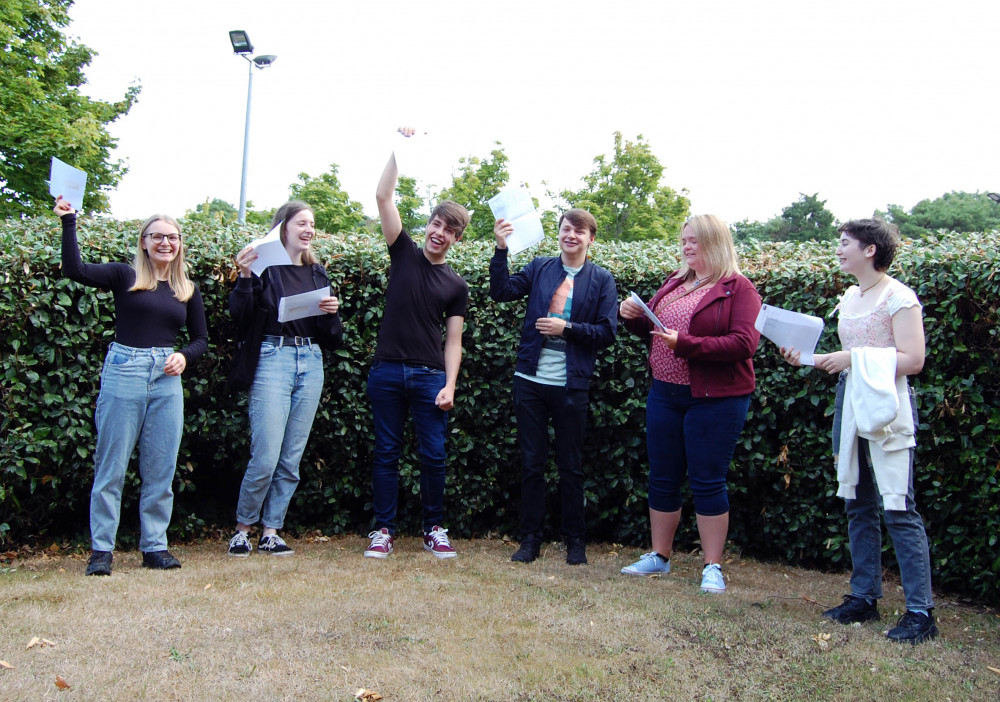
column 141, row 399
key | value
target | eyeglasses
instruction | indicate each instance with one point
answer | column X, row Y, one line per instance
column 158, row 238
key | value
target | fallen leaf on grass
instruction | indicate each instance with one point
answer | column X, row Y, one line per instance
column 61, row 683
column 989, row 667
column 6, row 665
column 34, row 642
column 209, row 586
column 363, row 694
column 822, row 640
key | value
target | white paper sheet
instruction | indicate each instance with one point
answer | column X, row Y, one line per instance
column 648, row 312
column 67, row 181
column 791, row 330
column 515, row 206
column 270, row 251
column 304, row 305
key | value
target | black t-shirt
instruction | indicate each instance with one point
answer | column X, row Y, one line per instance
column 143, row 318
column 419, row 298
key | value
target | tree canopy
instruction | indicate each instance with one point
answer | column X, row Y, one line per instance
column 476, row 181
column 46, row 115
column 806, row 219
column 955, row 212
column 335, row 211
column 627, row 197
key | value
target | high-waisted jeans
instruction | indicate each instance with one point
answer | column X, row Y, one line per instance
column 137, row 403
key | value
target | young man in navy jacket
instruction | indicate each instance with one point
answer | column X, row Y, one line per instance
column 571, row 315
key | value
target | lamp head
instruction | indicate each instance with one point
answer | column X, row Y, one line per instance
column 264, row 60
column 241, row 42
column 995, row 197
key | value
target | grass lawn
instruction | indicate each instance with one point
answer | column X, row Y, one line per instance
column 324, row 623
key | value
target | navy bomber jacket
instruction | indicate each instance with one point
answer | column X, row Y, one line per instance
column 593, row 316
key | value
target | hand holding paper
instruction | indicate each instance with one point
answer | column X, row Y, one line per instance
column 516, row 207
column 307, row 304
column 791, row 330
column 270, row 251
column 648, row 312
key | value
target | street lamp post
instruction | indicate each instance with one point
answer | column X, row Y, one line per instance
column 242, row 47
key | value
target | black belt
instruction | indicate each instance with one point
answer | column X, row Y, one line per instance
column 280, row 341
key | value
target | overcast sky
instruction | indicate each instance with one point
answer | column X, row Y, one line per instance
column 746, row 103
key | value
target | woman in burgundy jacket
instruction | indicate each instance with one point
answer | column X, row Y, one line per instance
column 700, row 356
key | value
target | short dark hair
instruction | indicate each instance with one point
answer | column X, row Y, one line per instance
column 579, row 218
column 454, row 215
column 883, row 235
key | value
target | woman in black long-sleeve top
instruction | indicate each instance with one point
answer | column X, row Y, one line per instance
column 141, row 399
column 282, row 364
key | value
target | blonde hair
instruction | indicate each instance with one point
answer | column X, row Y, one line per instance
column 145, row 276
column 715, row 245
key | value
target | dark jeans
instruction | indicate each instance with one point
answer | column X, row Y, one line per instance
column 395, row 389
column 534, row 405
column 692, row 436
column 906, row 528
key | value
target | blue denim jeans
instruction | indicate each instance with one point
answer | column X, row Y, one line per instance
column 906, row 529
column 695, row 436
column 395, row 389
column 284, row 396
column 137, row 403
column 534, row 404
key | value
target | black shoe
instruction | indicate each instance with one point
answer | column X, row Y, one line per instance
column 853, row 610
column 913, row 628
column 99, row 563
column 160, row 560
column 576, row 551
column 528, row 551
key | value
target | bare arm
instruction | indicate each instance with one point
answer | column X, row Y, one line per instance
column 392, row 225
column 452, row 360
column 908, row 330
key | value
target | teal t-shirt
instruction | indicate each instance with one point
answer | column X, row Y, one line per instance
column 552, row 359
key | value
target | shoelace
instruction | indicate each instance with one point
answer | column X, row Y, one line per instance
column 379, row 538
column 440, row 537
column 272, row 541
column 239, row 539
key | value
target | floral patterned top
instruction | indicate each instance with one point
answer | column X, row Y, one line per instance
column 874, row 328
column 675, row 314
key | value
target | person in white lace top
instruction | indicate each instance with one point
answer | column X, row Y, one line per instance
column 877, row 315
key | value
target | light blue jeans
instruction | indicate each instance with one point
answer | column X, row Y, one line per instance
column 906, row 529
column 137, row 402
column 283, row 400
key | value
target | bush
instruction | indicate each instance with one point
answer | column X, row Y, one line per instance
column 782, row 481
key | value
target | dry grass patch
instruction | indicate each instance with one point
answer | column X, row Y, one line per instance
column 325, row 622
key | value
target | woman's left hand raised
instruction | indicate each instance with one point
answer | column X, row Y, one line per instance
column 175, row 364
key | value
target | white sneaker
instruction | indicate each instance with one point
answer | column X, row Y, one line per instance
column 712, row 580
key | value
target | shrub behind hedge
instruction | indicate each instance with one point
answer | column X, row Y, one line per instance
column 782, row 481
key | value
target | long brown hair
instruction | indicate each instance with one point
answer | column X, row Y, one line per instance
column 285, row 213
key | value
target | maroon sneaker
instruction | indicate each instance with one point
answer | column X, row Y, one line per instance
column 436, row 541
column 381, row 545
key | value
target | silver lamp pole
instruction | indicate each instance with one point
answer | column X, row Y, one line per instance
column 243, row 47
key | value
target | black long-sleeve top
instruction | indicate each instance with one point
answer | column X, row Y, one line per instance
column 143, row 318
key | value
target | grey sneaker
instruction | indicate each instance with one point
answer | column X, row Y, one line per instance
column 275, row 545
column 712, row 580
column 240, row 545
column 648, row 564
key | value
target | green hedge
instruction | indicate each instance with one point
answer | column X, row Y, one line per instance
column 782, row 483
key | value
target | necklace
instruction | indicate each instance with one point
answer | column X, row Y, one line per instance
column 698, row 281
column 862, row 293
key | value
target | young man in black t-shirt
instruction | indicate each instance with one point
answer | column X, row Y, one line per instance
column 411, row 371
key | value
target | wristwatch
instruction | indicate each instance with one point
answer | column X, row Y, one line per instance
column 568, row 327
